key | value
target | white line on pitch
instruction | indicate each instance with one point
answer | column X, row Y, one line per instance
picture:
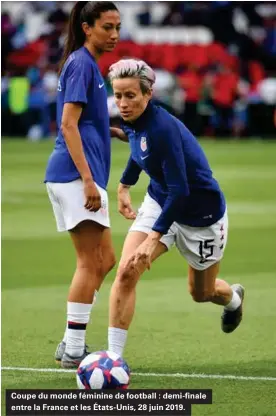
column 175, row 375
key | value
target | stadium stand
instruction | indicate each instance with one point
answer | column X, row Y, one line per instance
column 215, row 62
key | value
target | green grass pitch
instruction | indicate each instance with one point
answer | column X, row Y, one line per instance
column 170, row 333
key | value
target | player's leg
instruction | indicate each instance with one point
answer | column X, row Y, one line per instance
column 87, row 230
column 123, row 291
column 108, row 254
column 204, row 286
column 204, row 248
column 122, row 297
column 108, row 262
column 86, row 238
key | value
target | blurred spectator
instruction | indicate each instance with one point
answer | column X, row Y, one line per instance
column 175, row 16
column 262, row 103
column 7, row 32
column 58, row 20
column 19, row 39
column 270, row 37
column 224, row 91
column 17, row 111
column 261, row 110
column 190, row 81
column 240, row 109
column 167, row 93
column 38, row 114
column 50, row 84
column 144, row 17
column 205, row 108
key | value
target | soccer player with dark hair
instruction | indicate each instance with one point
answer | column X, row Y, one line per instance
column 183, row 205
column 78, row 169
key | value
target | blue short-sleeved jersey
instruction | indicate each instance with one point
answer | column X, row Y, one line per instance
column 181, row 180
column 82, row 82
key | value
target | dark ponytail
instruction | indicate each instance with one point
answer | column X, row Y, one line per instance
column 83, row 11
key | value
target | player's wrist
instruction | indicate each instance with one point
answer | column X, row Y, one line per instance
column 123, row 187
column 154, row 236
column 87, row 179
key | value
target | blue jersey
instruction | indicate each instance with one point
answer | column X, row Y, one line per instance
column 181, row 180
column 82, row 82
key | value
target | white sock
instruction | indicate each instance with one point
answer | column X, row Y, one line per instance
column 93, row 304
column 78, row 315
column 234, row 303
column 65, row 335
column 117, row 340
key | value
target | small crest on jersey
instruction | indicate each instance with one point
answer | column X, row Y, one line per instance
column 143, row 144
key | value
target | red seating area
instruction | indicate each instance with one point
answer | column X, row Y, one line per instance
column 170, row 57
column 173, row 58
column 178, row 57
column 29, row 55
column 256, row 73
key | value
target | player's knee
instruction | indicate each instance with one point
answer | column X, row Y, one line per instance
column 91, row 262
column 202, row 296
column 126, row 278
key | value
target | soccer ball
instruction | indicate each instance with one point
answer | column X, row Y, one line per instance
column 103, row 370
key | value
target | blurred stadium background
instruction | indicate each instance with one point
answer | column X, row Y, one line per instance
column 216, row 71
column 215, row 63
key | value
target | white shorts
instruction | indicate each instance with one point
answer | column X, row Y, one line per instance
column 201, row 246
column 68, row 202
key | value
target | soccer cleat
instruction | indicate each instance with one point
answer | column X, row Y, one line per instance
column 60, row 351
column 68, row 361
column 230, row 320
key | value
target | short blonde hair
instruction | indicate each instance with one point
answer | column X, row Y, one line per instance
column 132, row 68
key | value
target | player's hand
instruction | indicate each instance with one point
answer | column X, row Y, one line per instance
column 118, row 133
column 124, row 203
column 143, row 254
column 92, row 196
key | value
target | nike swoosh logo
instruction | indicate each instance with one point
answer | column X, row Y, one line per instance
column 101, row 85
column 143, row 158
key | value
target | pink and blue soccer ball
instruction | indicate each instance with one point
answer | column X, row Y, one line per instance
column 103, row 370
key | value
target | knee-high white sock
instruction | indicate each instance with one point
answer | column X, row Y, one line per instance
column 78, row 315
column 93, row 304
column 117, row 340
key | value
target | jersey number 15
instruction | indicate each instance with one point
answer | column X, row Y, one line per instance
column 206, row 250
